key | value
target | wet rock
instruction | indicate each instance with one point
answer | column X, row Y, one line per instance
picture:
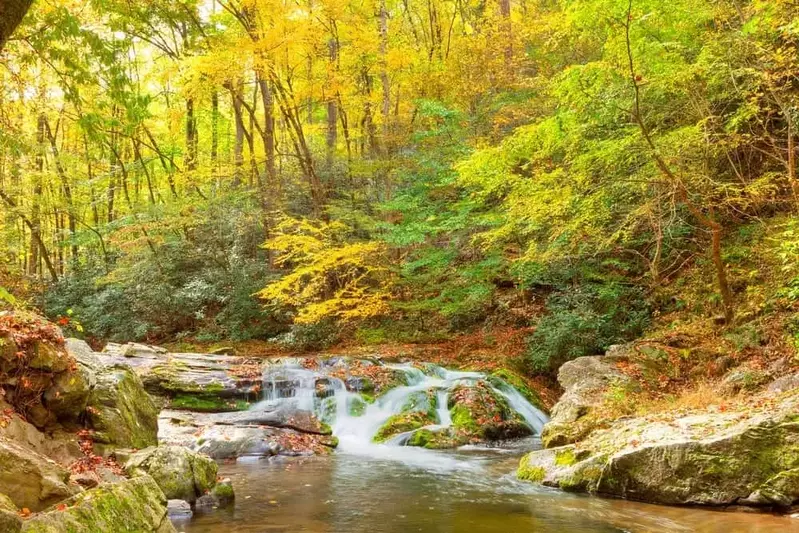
column 132, row 505
column 180, row 473
column 226, row 440
column 221, row 496
column 30, row 479
column 746, row 458
column 480, row 414
column 179, row 510
column 120, row 410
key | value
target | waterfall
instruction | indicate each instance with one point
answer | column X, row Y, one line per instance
column 355, row 421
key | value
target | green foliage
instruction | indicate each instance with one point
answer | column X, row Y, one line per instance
column 203, row 285
column 585, row 320
column 6, row 298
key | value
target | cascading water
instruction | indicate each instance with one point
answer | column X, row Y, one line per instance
column 356, row 419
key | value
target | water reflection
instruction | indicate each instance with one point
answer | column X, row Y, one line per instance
column 467, row 492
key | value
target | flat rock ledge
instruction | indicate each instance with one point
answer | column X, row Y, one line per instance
column 716, row 459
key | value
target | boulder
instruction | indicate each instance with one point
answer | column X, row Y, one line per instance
column 135, row 505
column 49, row 358
column 584, row 381
column 60, row 446
column 120, row 410
column 722, row 458
column 31, row 480
column 68, row 396
column 180, row 473
column 10, row 522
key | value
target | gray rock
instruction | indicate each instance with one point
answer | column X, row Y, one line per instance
column 179, row 510
column 747, row 458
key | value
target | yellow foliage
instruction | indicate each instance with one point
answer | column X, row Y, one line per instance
column 328, row 277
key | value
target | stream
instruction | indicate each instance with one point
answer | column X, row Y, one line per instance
column 364, row 487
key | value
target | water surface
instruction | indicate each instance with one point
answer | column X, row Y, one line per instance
column 401, row 490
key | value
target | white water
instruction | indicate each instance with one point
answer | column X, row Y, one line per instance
column 355, row 422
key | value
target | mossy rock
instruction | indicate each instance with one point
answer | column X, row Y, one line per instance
column 31, row 480
column 120, row 410
column 204, row 403
column 402, row 423
column 480, row 414
column 726, row 458
column 134, row 506
column 10, row 522
column 432, row 440
column 180, row 473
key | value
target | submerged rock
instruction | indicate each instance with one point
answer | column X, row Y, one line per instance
column 120, row 410
column 179, row 510
column 180, row 473
column 709, row 459
column 135, row 505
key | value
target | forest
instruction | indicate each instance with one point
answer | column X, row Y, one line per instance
column 446, row 222
column 326, row 171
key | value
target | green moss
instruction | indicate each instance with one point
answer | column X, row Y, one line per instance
column 368, row 398
column 462, row 419
column 565, row 457
column 224, row 492
column 536, row 474
column 356, row 406
column 207, row 404
column 401, row 423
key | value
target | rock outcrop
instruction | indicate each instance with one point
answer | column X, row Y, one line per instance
column 135, row 505
column 721, row 458
column 584, row 380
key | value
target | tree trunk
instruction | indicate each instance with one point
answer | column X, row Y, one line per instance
column 11, row 14
column 214, row 128
column 332, row 104
column 385, row 108
column 238, row 148
column 268, row 135
column 65, row 187
column 191, row 136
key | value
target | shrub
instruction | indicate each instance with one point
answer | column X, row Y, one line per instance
column 586, row 320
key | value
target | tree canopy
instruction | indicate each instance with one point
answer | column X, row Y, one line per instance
column 325, row 168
